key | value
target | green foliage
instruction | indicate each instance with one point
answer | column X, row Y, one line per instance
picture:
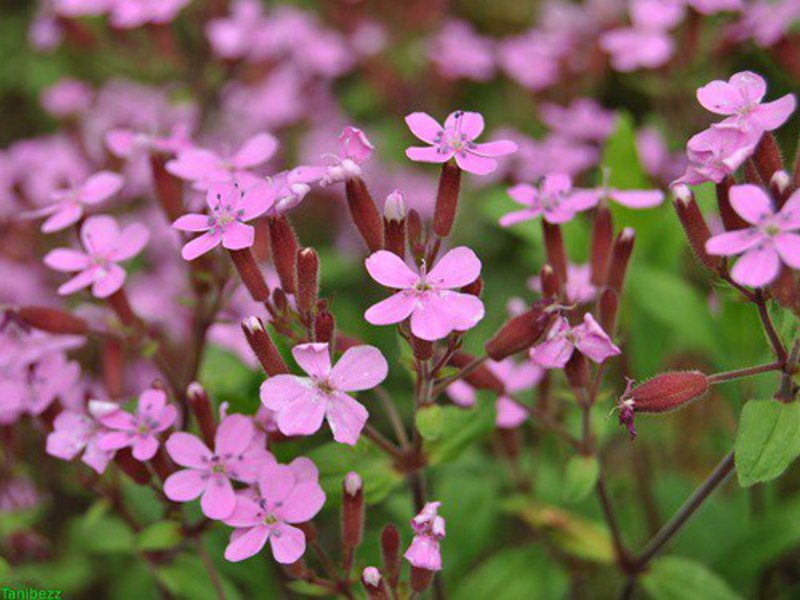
column 162, row 535
column 461, row 428
column 581, row 477
column 430, row 422
column 676, row 578
column 768, row 440
column 227, row 379
column 187, row 577
column 620, row 157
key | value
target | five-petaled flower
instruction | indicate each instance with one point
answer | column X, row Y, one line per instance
column 553, row 199
column 429, row 530
column 138, row 431
column 562, row 340
column 105, row 245
column 770, row 240
column 456, row 139
column 78, row 432
column 354, row 150
column 428, row 297
column 284, row 498
column 301, row 403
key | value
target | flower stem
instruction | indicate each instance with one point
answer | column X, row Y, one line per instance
column 747, row 372
column 774, row 339
column 466, row 370
column 380, row 440
column 213, row 575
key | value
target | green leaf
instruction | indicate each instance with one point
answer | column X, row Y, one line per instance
column 227, row 379
column 430, row 422
column 306, row 588
column 160, row 536
column 676, row 578
column 186, row 577
column 461, row 429
column 581, row 477
column 621, row 158
column 768, row 440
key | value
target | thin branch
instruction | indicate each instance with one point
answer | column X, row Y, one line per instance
column 774, row 339
column 466, row 370
column 380, row 440
column 747, row 372
column 394, row 416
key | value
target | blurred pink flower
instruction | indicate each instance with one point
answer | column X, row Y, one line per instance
column 579, row 288
column 78, row 432
column 516, row 55
column 428, row 297
column 562, row 340
column 460, row 53
column 711, row 7
column 354, row 149
column 68, row 97
column 129, row 143
column 583, row 119
column 553, row 199
column 770, row 240
column 139, row 431
column 655, row 157
column 127, row 14
column 766, row 21
column 456, row 139
column 81, row 8
column 283, row 500
column 716, row 153
column 105, row 245
column 301, row 403
column 429, row 530
column 636, row 199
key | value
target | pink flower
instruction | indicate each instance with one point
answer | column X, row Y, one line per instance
column 209, row 473
column 105, row 245
column 301, row 403
column 67, row 206
column 636, row 199
column 459, row 52
column 429, row 530
column 562, row 340
column 127, row 14
column 138, row 431
column 740, row 100
column 66, row 98
column 354, row 150
column 456, row 139
column 32, row 388
column 767, row 243
column 427, row 297
column 716, row 153
column 579, row 288
column 766, row 21
column 553, row 199
column 75, row 432
column 230, row 208
column 516, row 55
column 284, row 499
column 583, row 119
column 204, row 167
column 129, row 144
column 655, row 157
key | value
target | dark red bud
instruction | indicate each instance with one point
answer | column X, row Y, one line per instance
column 521, row 332
column 668, row 391
column 53, row 320
column 200, row 404
column 390, row 551
column 420, row 579
column 394, row 224
column 609, row 305
column 122, row 307
column 250, row 274
column 113, row 357
column 162, row 464
column 550, row 283
column 374, row 584
column 767, row 157
column 307, row 280
column 694, row 225
column 324, row 327
column 620, row 257
column 602, row 236
column 414, row 230
column 284, row 246
column 169, row 189
column 577, row 371
column 352, row 510
column 781, row 187
column 365, row 214
column 730, row 218
column 261, row 343
column 134, row 469
column 475, row 288
column 444, row 214
column 480, row 378
column 554, row 248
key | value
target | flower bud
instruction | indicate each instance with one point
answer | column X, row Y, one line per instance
column 261, row 343
column 481, row 378
column 374, row 584
column 781, row 187
column 250, row 274
column 200, row 404
column 414, row 231
column 134, row 469
column 162, row 464
column 394, row 209
column 474, row 289
column 694, row 225
column 394, row 224
column 550, row 283
column 423, row 349
column 602, row 236
column 730, row 218
column 577, row 371
column 113, row 358
column 444, row 214
column 283, row 243
column 620, row 256
column 554, row 249
column 307, row 280
column 352, row 510
column 365, row 214
column 420, row 579
column 609, row 305
column 521, row 332
column 169, row 189
column 390, row 551
column 52, row 320
column 324, row 327
column 767, row 157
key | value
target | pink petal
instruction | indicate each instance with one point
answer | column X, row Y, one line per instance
column 581, row 200
column 390, row 270
column 65, row 215
column 238, row 236
column 114, row 440
column 100, row 186
column 525, row 194
column 218, row 500
column 280, row 390
column 192, row 222
column 461, row 394
column 151, row 402
column 719, row 97
column 518, row 216
column 771, row 115
column 248, row 544
column 184, row 485
column 166, row 418
column 99, row 235
column 423, row 126
column 256, row 151
column 424, row 553
column 466, row 310
column 233, row 435
column 428, row 154
column 188, row 451
column 394, row 309
column 592, row 341
column 275, row 483
column 304, row 469
column 145, row 448
column 750, row 87
column 733, row 242
column 202, row 244
column 346, row 418
column 303, row 503
column 459, row 267
column 246, row 513
column 437, row 314
column 66, row 259
column 556, row 350
column 555, row 184
column 257, row 200
column 470, row 123
column 302, row 416
column 497, row 148
column 109, row 282
column 751, row 203
column 314, row 359
column 196, row 165
column 288, row 543
column 510, row 415
column 359, row 368
column 119, row 419
column 758, row 267
column 80, row 281
column 790, row 213
column 788, row 247
column 475, row 164
column 523, row 377
column 133, row 239
column 121, row 142
column 638, row 198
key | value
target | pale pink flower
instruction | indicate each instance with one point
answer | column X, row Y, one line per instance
column 129, row 143
column 68, row 204
column 562, row 340
column 68, row 97
column 636, row 199
column 127, row 14
column 579, row 288
column 770, row 240
column 354, row 150
column 429, row 530
column 655, row 157
column 105, row 245
column 209, row 473
column 236, row 35
column 81, row 8
column 78, row 432
column 583, row 119
column 516, row 55
column 460, row 53
column 456, row 139
column 284, row 500
column 553, row 199
column 139, row 431
column 428, row 297
column 301, row 403
column 740, row 98
column 230, row 208
column 766, row 21
column 716, row 153
column 204, row 167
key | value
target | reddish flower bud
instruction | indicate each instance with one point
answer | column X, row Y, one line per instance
column 374, row 584
column 307, row 280
column 554, row 248
column 694, row 225
column 162, row 464
column 577, row 371
column 52, row 320
column 414, row 231
column 602, row 236
column 730, row 218
column 134, row 469
column 420, row 579
column 521, row 332
column 423, row 349
column 620, row 256
column 785, row 289
column 250, row 274
column 480, row 378
column 390, row 551
column 283, row 243
column 444, row 214
column 365, row 214
column 352, row 510
column 169, row 189
column 609, row 305
column 767, row 157
column 394, row 224
column 261, row 343
column 113, row 357
column 751, row 174
column 781, row 187
column 550, row 283
column 200, row 404
column 475, row 288
column 324, row 327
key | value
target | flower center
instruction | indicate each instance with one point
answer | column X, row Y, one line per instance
column 453, row 139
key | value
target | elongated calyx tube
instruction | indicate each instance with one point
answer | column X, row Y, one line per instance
column 250, row 274
column 352, row 510
column 767, row 157
column 169, row 189
column 365, row 213
column 200, row 404
column 307, row 280
column 284, row 245
column 390, row 552
column 394, row 224
column 555, row 250
column 695, row 227
column 480, row 378
column 134, row 469
column 52, row 320
column 620, row 257
column 420, row 579
column 662, row 393
column 602, row 237
column 374, row 584
column 261, row 343
column 521, row 332
column 730, row 218
column 444, row 214
column 550, row 283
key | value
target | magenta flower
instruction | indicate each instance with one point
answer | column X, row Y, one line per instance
column 636, row 199
column 67, row 98
column 716, row 153
column 301, row 403
column 210, row 473
column 230, row 208
column 562, row 340
column 75, row 432
column 740, row 98
column 429, row 530
column 553, row 199
column 204, row 167
column 460, row 53
column 67, row 206
column 354, row 150
column 105, row 245
column 284, row 500
column 138, row 431
column 427, row 297
column 456, row 139
column 583, row 119
column 127, row 14
column 769, row 241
